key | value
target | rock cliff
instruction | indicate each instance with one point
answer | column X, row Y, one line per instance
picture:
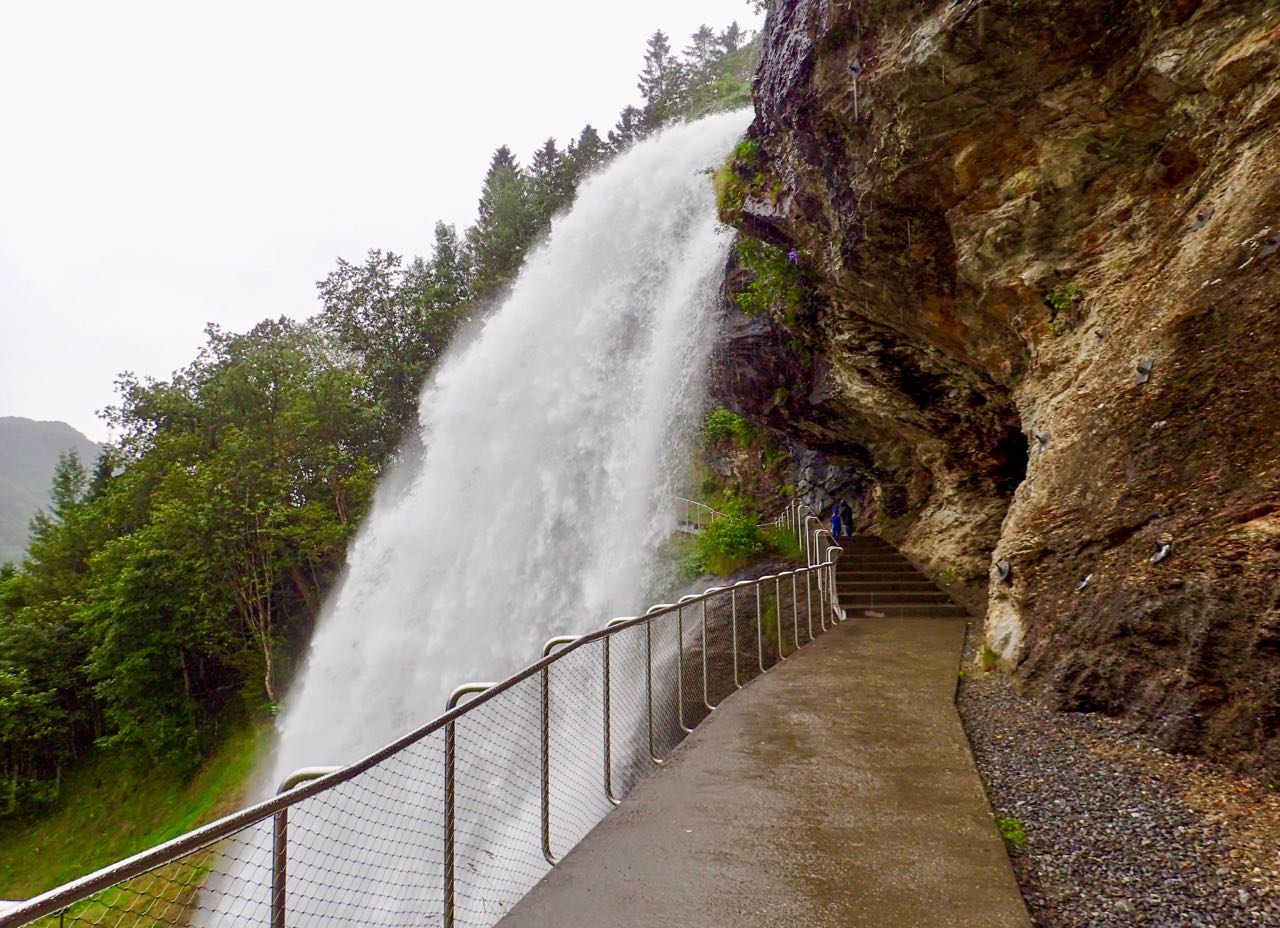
column 1044, row 243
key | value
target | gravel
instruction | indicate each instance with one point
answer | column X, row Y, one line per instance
column 1118, row 831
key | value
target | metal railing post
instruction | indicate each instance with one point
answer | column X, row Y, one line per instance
column 706, row 695
column 648, row 684
column 680, row 664
column 777, row 603
column 808, row 601
column 450, row 799
column 831, row 590
column 608, row 715
column 795, row 610
column 759, row 627
column 544, row 746
column 280, row 842
column 733, row 619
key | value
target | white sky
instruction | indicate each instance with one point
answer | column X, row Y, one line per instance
column 168, row 164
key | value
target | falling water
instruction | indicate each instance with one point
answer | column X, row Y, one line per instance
column 553, row 440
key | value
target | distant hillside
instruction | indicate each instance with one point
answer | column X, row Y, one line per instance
column 28, row 453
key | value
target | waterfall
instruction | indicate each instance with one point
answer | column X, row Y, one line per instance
column 551, row 443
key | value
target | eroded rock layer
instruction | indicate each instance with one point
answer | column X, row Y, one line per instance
column 1015, row 206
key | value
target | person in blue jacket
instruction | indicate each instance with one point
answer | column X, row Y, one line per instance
column 835, row 520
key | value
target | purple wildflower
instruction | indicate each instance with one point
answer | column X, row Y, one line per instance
column 793, row 256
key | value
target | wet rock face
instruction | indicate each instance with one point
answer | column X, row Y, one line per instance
column 1047, row 239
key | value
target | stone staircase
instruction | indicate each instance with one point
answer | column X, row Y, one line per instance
column 873, row 579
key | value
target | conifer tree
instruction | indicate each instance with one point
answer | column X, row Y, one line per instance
column 629, row 129
column 732, row 38
column 662, row 82
column 550, row 184
column 587, row 153
column 497, row 242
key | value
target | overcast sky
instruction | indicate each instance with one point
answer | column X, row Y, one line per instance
column 164, row 165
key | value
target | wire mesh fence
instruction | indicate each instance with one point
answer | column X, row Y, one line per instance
column 450, row 825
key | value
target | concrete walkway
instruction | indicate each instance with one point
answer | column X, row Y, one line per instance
column 837, row 790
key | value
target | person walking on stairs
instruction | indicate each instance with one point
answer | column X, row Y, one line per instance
column 846, row 517
column 835, row 519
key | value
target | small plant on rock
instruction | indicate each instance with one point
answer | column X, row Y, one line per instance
column 1013, row 832
column 779, row 280
column 725, row 423
column 1062, row 298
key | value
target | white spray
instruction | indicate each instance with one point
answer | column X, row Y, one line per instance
column 553, row 441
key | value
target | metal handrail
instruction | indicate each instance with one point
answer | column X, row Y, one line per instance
column 309, row 782
column 691, row 507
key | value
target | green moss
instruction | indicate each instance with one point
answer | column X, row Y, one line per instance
column 742, row 173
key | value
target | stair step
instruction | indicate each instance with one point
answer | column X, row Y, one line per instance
column 893, row 599
column 924, row 610
column 885, row 586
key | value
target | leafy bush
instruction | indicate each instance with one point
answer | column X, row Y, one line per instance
column 731, row 540
column 724, row 423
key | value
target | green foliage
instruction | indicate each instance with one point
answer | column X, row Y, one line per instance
column 723, row 423
column 779, row 281
column 1063, row 297
column 731, row 540
column 396, row 321
column 1013, row 832
column 990, row 660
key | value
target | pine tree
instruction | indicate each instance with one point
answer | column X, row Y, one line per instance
column 629, row 130
column 550, row 184
column 447, row 270
column 732, row 38
column 497, row 242
column 701, row 71
column 704, row 48
column 586, row 154
column 662, row 82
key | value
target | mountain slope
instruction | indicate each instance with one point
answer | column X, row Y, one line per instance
column 28, row 454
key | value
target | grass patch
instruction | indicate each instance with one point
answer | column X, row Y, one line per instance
column 113, row 807
column 783, row 542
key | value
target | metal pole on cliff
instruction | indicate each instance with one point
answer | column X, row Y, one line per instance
column 856, row 70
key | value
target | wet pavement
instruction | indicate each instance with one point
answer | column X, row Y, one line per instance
column 836, row 790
